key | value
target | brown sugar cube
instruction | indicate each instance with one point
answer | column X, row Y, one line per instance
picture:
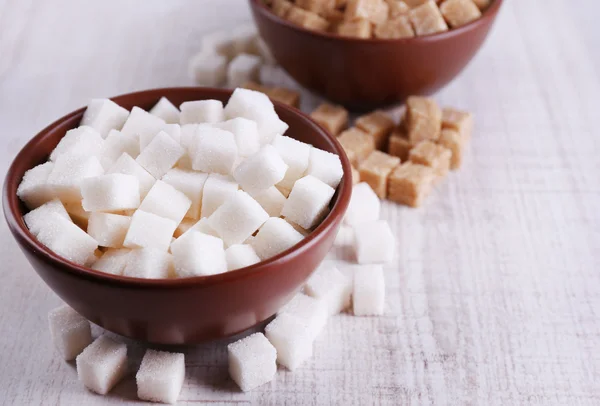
column 334, row 16
column 377, row 124
column 433, row 155
column 355, row 176
column 410, row 184
column 357, row 144
column 460, row 121
column 376, row 169
column 307, row 19
column 427, row 19
column 423, row 119
column 285, row 96
column 355, row 29
column 321, row 7
column 399, row 145
column 281, row 8
column 397, row 8
column 482, row 4
column 455, row 142
column 415, row 3
column 375, row 11
column 398, row 27
column 459, row 12
column 333, row 118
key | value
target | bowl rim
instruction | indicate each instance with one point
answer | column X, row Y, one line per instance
column 489, row 13
column 11, row 206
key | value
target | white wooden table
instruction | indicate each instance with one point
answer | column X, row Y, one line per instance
column 495, row 295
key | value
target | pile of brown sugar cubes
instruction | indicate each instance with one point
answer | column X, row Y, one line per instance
column 386, row 19
column 420, row 151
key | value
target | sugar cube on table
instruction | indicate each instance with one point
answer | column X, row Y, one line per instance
column 396, row 28
column 149, row 263
column 201, row 111
column 129, row 166
column 460, row 121
column 38, row 218
column 459, row 12
column 371, row 250
column 376, row 169
column 252, row 361
column 308, row 202
column 102, row 364
column 355, row 29
column 140, row 122
column 245, row 133
column 261, row 170
column 307, row 19
column 147, row 230
column 313, row 312
column 217, row 189
column 69, row 172
column 78, row 214
column 83, row 141
column 108, row 229
column 275, row 236
column 344, row 236
column 243, row 68
column 70, row 331
column 166, row 201
column 191, row 184
column 291, row 338
column 332, row 117
column 399, row 145
column 104, row 115
column 410, row 184
column 160, row 155
column 115, row 144
column 160, row 376
column 113, row 261
column 455, row 143
column 423, row 119
column 64, row 238
column 283, row 95
column 328, row 284
column 271, row 199
column 166, row 110
column 427, row 19
column 364, row 205
column 209, row 69
column 433, row 155
column 398, row 8
column 357, row 144
column 325, row 166
column 34, row 189
column 296, row 155
column 237, row 218
column 112, row 192
column 240, row 256
column 213, row 150
column 198, row 254
column 368, row 294
column 378, row 125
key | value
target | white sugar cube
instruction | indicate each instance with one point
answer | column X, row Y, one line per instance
column 291, row 338
column 128, row 166
column 295, row 154
column 189, row 183
column 371, row 250
column 368, row 296
column 112, row 192
column 271, row 200
column 84, row 141
column 344, row 236
column 115, row 144
column 166, row 110
column 243, row 39
column 308, row 202
column 261, row 170
column 70, row 331
column 148, row 230
column 102, row 364
column 245, row 132
column 364, row 205
column 252, row 361
column 160, row 376
column 113, row 261
column 38, row 218
column 240, row 256
column 325, row 166
column 243, row 68
column 64, row 238
column 69, row 172
column 217, row 190
column 166, row 201
column 149, row 263
column 208, row 69
column 274, row 237
column 160, row 155
column 173, row 130
column 213, row 150
column 140, row 122
column 313, row 312
column 219, row 43
column 104, row 115
column 34, row 189
column 238, row 218
column 198, row 254
column 107, row 229
column 201, row 111
column 327, row 283
column 78, row 214
column 264, row 51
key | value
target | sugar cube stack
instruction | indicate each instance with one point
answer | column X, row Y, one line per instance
column 160, row 376
column 252, row 361
column 70, row 331
column 102, row 364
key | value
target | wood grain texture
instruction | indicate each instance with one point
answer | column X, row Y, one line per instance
column 494, row 296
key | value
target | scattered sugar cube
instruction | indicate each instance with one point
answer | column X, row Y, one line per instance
column 252, row 361
column 271, row 200
column 291, row 338
column 64, row 238
column 410, row 184
column 308, row 202
column 218, row 43
column 197, row 254
column 240, row 256
column 357, row 144
column 281, row 8
column 378, row 125
column 261, row 170
column 70, row 331
column 328, row 284
column 115, row 144
column 189, row 183
column 69, row 172
column 344, row 236
column 34, row 189
column 356, row 29
column 149, row 263
column 398, row 8
column 83, row 141
column 238, row 218
column 375, row 11
column 160, row 155
column 201, row 111
column 376, row 169
column 459, row 12
column 108, row 229
column 129, row 166
column 78, row 214
column 160, row 376
column 112, row 192
column 243, row 39
column 325, row 166
column 213, row 150
column 427, row 19
column 102, row 364
column 104, row 115
column 368, row 295
column 246, row 135
column 423, row 119
column 364, row 205
column 396, row 28
column 217, row 189
column 296, row 155
column 433, row 155
column 243, row 68
column 455, row 142
column 275, row 236
column 399, row 145
column 140, row 122
column 38, row 218
column 113, row 261
column 332, row 117
column 166, row 110
column 309, row 20
column 283, row 95
column 457, row 120
column 311, row 311
column 209, row 69
column 166, row 201
column 371, row 250
column 147, row 230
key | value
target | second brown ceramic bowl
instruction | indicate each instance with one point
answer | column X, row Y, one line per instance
column 176, row 311
column 363, row 74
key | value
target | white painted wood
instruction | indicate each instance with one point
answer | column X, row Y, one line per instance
column 494, row 296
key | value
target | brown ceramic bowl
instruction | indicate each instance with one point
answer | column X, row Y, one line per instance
column 177, row 311
column 367, row 73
